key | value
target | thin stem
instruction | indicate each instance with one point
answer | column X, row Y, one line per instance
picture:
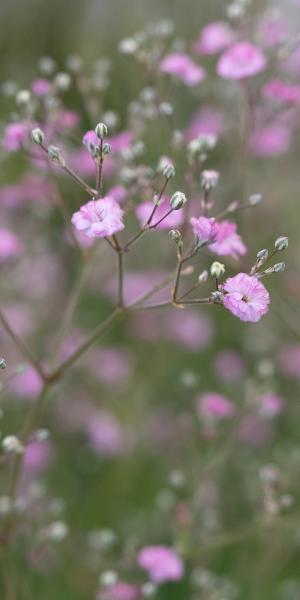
column 99, row 176
column 120, row 279
column 72, row 174
column 177, row 279
column 22, row 346
column 151, row 306
column 148, row 225
column 162, row 219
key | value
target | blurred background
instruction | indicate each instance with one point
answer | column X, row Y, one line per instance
column 130, row 461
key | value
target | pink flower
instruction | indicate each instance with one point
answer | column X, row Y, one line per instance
column 120, row 141
column 27, row 384
column 227, row 240
column 10, row 245
column 271, row 405
column 67, row 119
column 204, row 228
column 289, row 360
column 206, row 121
column 120, row 591
column 215, row 406
column 37, row 457
column 41, row 87
column 14, row 136
column 105, row 434
column 99, row 218
column 90, row 139
column 162, row 563
column 284, row 92
column 273, row 30
column 240, row 61
column 229, row 365
column 183, row 67
column 273, row 140
column 145, row 209
column 214, row 37
column 246, row 297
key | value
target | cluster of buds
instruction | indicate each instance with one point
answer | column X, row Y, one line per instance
column 274, row 501
column 199, row 147
column 262, row 256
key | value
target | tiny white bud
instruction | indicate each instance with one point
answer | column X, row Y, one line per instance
column 128, row 46
column 42, row 434
column 101, row 130
column 2, row 363
column 169, row 171
column 166, row 109
column 209, row 179
column 149, row 589
column 281, row 243
column 5, row 505
column 23, row 97
column 217, row 269
column 12, row 444
column 62, row 81
column 217, row 297
column 57, row 531
column 55, row 154
column 106, row 149
column 178, row 200
column 37, row 136
column 108, row 578
column 279, row 267
column 203, row 277
column 255, row 199
column 175, row 236
column 262, row 255
column 47, row 65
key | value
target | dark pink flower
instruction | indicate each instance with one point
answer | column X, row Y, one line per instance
column 41, row 87
column 240, row 61
column 246, row 297
column 183, row 67
column 99, row 218
column 215, row 406
column 162, row 563
column 174, row 219
column 284, row 92
column 214, row 37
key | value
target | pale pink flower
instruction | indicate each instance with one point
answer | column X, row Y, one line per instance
column 14, row 136
column 41, row 87
column 273, row 140
column 181, row 66
column 206, row 121
column 161, row 563
column 246, row 297
column 204, row 228
column 105, row 434
column 120, row 141
column 240, row 61
column 27, row 384
column 284, row 92
column 99, row 218
column 90, row 140
column 289, row 360
column 227, row 241
column 174, row 219
column 120, row 591
column 273, row 30
column 271, row 405
column 214, row 37
column 37, row 457
column 216, row 406
column 229, row 365
column 10, row 245
column 67, row 119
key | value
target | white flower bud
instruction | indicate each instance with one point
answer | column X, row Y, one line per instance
column 2, row 363
column 203, row 277
column 279, row 267
column 108, row 578
column 166, row 109
column 11, row 444
column 106, row 149
column 57, row 531
column 5, row 505
column 149, row 589
column 47, row 65
column 101, row 130
column 169, row 171
column 175, row 236
column 55, row 154
column 178, row 200
column 281, row 243
column 209, row 179
column 255, row 199
column 128, row 46
column 217, row 297
column 217, row 269
column 37, row 136
column 262, row 255
column 42, row 434
column 23, row 97
column 62, row 81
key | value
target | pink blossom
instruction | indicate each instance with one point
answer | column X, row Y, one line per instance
column 205, row 229
column 14, row 136
column 270, row 405
column 112, row 365
column 240, row 61
column 120, row 591
column 273, row 30
column 67, row 119
column 289, row 360
column 214, row 37
column 99, row 218
column 215, row 406
column 284, row 92
column 41, row 87
column 90, row 139
column 254, row 431
column 273, row 140
column 118, row 193
column 10, row 245
column 227, row 240
column 27, row 384
column 182, row 66
column 229, row 365
column 246, row 297
column 206, row 121
column 174, row 219
column 37, row 457
column 105, row 434
column 138, row 283
column 120, row 141
column 162, row 563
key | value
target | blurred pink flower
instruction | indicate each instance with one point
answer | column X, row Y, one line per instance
column 67, row 119
column 216, row 406
column 105, row 434
column 27, row 384
column 41, row 87
column 246, row 297
column 112, row 365
column 288, row 360
column 240, row 61
column 90, row 139
column 204, row 228
column 144, row 210
column 272, row 140
column 10, row 245
column 273, row 30
column 182, row 66
column 229, row 365
column 120, row 591
column 206, row 121
column 99, row 218
column 37, row 457
column 213, row 38
column 228, row 242
column 161, row 563
column 14, row 136
column 271, row 405
column 254, row 431
column 138, row 283
column 284, row 92
column 120, row 141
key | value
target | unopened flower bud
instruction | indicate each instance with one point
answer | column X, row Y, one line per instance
column 23, row 97
column 55, row 154
column 57, row 531
column 279, row 267
column 233, row 206
column 128, row 46
column 108, row 578
column 262, row 255
column 101, row 131
column 281, row 243
column 62, row 81
column 166, row 109
column 11, row 444
column 175, row 236
column 149, row 590
column 37, row 136
column 255, row 199
column 2, row 363
column 203, row 277
column 209, row 179
column 178, row 200
column 217, row 297
column 47, row 65
column 217, row 269
column 169, row 171
column 106, row 149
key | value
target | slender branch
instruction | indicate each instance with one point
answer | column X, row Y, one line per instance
column 72, row 174
column 22, row 346
column 162, row 219
column 99, row 175
column 148, row 225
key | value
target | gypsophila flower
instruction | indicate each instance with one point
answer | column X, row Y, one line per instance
column 205, row 229
column 246, row 297
column 162, row 563
column 182, row 66
column 99, row 218
column 240, row 61
column 209, row 179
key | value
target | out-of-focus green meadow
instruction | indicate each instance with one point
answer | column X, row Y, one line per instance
column 129, row 493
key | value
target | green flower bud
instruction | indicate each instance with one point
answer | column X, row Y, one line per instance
column 217, row 269
column 101, row 131
column 37, row 136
